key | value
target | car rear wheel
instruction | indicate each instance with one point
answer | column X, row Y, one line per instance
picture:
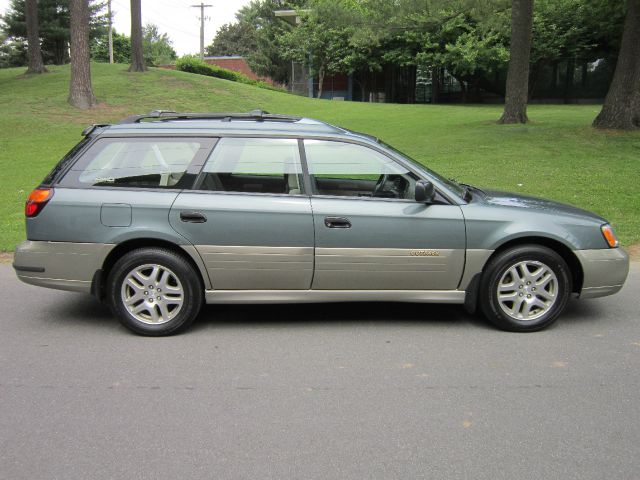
column 154, row 291
column 525, row 288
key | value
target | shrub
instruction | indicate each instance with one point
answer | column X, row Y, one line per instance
column 193, row 64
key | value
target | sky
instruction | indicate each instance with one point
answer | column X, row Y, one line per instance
column 176, row 18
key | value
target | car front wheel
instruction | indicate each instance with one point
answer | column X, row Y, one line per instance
column 525, row 288
column 154, row 292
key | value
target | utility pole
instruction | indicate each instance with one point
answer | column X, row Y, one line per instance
column 110, row 31
column 202, row 6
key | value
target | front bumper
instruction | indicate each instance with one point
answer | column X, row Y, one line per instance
column 605, row 271
column 60, row 265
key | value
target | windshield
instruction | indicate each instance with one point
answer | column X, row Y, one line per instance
column 452, row 185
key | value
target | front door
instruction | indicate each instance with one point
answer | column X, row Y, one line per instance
column 370, row 233
column 248, row 217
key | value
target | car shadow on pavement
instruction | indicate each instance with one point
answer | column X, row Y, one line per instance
column 319, row 314
column 85, row 310
column 79, row 309
column 584, row 312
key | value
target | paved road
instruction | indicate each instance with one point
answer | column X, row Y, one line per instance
column 317, row 392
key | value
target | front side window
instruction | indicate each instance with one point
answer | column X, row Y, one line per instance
column 254, row 165
column 136, row 162
column 350, row 170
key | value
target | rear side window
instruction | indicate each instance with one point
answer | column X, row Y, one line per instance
column 137, row 162
column 254, row 165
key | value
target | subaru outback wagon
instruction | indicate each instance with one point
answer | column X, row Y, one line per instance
column 163, row 212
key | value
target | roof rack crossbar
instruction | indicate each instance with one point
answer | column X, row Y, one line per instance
column 164, row 115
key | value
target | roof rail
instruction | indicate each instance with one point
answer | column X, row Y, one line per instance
column 163, row 115
column 89, row 130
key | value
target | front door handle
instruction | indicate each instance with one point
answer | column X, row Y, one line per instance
column 192, row 217
column 337, row 222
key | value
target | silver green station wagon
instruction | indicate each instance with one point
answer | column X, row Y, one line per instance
column 163, row 212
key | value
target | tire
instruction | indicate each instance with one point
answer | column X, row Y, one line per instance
column 525, row 288
column 154, row 292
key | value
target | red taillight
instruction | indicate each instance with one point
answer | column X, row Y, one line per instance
column 37, row 200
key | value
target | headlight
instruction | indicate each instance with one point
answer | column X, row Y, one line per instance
column 609, row 235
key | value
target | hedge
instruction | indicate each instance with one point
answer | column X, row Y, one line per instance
column 193, row 64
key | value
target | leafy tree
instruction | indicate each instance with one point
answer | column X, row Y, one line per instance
column 515, row 102
column 156, row 46
column 80, row 89
column 121, row 48
column 621, row 109
column 234, row 39
column 464, row 44
column 12, row 53
column 468, row 39
column 257, row 32
column 457, row 35
column 573, row 33
column 334, row 37
column 54, row 25
column 319, row 46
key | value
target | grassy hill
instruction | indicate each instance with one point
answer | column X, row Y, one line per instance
column 558, row 155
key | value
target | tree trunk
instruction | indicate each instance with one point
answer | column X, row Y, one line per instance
column 621, row 109
column 463, row 89
column 320, row 81
column 533, row 81
column 33, row 37
column 515, row 102
column 61, row 52
column 411, row 84
column 435, row 85
column 137, row 56
column 390, row 84
column 80, row 91
column 569, row 80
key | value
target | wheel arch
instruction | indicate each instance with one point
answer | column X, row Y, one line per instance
column 188, row 252
column 577, row 274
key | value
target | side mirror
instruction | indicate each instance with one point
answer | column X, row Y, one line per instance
column 425, row 192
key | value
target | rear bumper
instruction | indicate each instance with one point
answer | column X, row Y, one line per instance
column 605, row 271
column 60, row 265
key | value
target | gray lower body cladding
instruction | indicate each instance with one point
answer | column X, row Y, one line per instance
column 605, row 271
column 72, row 266
column 61, row 265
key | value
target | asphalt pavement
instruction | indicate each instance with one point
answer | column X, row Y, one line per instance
column 332, row 391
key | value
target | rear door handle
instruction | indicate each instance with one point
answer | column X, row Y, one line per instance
column 192, row 217
column 337, row 222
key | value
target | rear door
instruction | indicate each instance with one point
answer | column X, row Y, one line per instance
column 249, row 217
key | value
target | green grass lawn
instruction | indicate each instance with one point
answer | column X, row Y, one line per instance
column 558, row 155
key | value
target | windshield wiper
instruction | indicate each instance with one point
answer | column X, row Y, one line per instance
column 466, row 189
column 472, row 187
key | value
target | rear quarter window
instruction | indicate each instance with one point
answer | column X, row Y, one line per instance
column 62, row 164
column 137, row 163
